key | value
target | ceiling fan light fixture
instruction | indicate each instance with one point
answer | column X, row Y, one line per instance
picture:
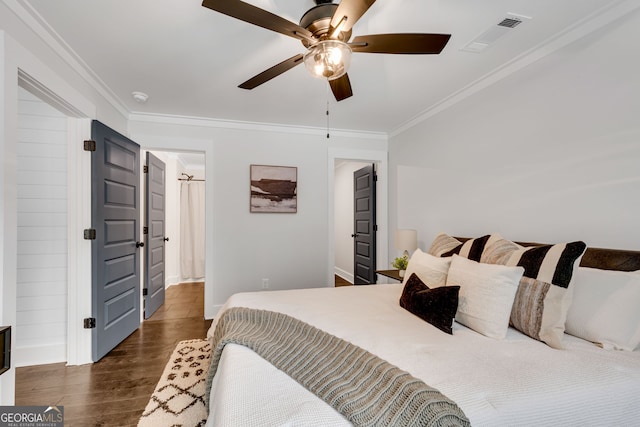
column 328, row 59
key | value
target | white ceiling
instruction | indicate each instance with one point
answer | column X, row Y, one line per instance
column 190, row 60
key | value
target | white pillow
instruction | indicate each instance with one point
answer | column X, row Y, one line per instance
column 486, row 294
column 430, row 269
column 606, row 308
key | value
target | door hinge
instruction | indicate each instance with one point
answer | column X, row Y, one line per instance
column 145, row 292
column 375, row 227
column 375, row 177
column 90, row 234
column 145, row 230
column 90, row 323
column 145, row 169
column 89, row 145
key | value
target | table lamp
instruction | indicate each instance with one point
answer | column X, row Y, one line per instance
column 406, row 240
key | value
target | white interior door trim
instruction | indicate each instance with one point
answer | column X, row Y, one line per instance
column 380, row 158
column 79, row 250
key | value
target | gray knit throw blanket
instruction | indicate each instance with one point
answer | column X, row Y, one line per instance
column 365, row 389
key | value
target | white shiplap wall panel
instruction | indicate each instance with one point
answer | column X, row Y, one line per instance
column 36, row 275
column 42, row 289
column 43, row 191
column 38, row 205
column 35, row 304
column 41, row 305
column 41, row 261
column 42, row 219
column 41, row 234
column 41, row 178
column 42, row 247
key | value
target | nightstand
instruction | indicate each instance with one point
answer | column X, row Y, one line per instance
column 393, row 274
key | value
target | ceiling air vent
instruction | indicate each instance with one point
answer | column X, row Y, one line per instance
column 509, row 22
column 492, row 34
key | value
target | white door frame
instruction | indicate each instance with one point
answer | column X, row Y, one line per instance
column 380, row 158
column 204, row 146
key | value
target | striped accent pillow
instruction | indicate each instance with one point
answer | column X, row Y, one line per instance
column 443, row 243
column 446, row 246
column 543, row 297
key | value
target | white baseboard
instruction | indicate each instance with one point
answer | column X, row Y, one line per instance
column 216, row 309
column 170, row 281
column 344, row 274
column 38, row 355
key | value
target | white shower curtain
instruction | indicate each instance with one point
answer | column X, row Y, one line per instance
column 192, row 230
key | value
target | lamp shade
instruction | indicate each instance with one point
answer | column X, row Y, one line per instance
column 406, row 240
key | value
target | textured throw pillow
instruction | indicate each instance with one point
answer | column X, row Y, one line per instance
column 606, row 308
column 446, row 246
column 436, row 306
column 443, row 243
column 498, row 250
column 544, row 296
column 486, row 294
column 430, row 269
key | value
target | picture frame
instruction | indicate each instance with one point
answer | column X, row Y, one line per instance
column 273, row 189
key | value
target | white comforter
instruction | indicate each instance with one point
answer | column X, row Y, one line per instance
column 516, row 381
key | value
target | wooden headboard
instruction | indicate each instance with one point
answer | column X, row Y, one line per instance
column 605, row 259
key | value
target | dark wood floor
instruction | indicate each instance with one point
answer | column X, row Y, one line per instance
column 115, row 390
column 342, row 282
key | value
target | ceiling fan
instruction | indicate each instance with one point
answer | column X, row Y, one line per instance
column 325, row 30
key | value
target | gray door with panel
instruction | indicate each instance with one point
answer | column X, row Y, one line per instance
column 155, row 237
column 115, row 214
column 364, row 226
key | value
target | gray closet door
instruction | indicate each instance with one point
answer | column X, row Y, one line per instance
column 155, row 238
column 364, row 226
column 115, row 212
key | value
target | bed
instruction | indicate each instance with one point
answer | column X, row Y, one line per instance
column 510, row 380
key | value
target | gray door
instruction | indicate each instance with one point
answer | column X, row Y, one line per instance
column 155, row 239
column 115, row 214
column 364, row 226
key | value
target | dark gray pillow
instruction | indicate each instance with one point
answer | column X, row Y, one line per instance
column 436, row 306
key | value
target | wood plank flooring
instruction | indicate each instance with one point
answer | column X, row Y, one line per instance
column 339, row 281
column 115, row 390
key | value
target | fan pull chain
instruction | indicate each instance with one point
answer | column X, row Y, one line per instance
column 327, row 121
column 327, row 112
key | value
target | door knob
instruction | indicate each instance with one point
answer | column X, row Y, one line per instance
column 139, row 244
column 354, row 235
column 166, row 239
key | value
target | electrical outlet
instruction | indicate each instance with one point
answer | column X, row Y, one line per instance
column 265, row 283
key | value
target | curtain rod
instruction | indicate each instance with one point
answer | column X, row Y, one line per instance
column 188, row 178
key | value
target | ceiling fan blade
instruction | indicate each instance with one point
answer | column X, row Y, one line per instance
column 260, row 17
column 272, row 72
column 400, row 43
column 352, row 10
column 341, row 87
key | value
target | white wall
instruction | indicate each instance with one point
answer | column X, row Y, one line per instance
column 41, row 306
column 291, row 250
column 343, row 217
column 551, row 153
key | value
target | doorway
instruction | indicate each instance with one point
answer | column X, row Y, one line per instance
column 184, row 171
column 343, row 217
column 342, row 163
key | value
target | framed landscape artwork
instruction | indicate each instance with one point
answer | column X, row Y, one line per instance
column 274, row 189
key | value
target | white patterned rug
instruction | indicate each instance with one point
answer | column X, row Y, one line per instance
column 179, row 397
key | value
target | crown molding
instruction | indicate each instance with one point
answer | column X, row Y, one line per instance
column 253, row 126
column 36, row 23
column 580, row 29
